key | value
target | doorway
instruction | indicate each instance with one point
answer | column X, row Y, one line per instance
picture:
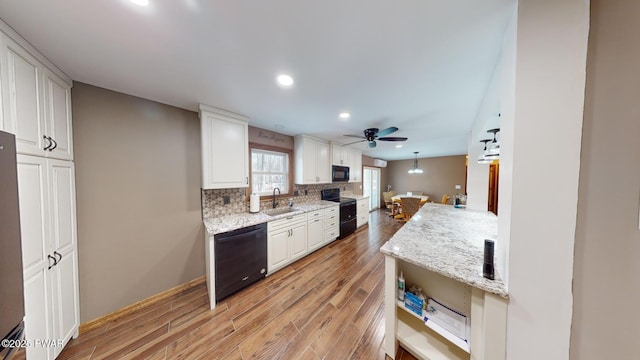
column 494, row 179
column 371, row 186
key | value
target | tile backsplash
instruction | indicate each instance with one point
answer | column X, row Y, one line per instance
column 213, row 204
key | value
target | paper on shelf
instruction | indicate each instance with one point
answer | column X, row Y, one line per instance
column 448, row 319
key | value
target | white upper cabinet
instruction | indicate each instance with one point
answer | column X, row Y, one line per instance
column 312, row 163
column 355, row 165
column 339, row 155
column 24, row 116
column 57, row 113
column 345, row 156
column 225, row 149
column 36, row 104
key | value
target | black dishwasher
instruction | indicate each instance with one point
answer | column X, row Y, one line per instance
column 240, row 259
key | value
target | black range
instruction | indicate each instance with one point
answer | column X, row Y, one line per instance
column 347, row 210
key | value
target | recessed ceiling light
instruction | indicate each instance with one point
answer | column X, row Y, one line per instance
column 285, row 80
column 140, row 2
column 344, row 115
column 398, row 146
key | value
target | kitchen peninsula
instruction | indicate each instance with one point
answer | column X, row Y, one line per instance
column 440, row 250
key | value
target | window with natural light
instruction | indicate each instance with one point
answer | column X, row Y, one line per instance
column 269, row 169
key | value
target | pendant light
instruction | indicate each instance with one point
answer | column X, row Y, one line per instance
column 415, row 169
column 486, row 158
column 494, row 147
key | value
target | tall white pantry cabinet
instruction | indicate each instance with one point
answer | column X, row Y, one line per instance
column 35, row 100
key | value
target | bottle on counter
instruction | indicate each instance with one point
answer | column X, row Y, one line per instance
column 401, row 287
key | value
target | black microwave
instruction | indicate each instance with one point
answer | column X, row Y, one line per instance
column 339, row 173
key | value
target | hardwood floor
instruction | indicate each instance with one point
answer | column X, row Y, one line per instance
column 328, row 305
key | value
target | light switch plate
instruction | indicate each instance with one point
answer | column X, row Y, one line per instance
column 458, row 187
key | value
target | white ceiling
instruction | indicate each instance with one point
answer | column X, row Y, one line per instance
column 420, row 65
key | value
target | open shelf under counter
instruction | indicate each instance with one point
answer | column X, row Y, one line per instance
column 423, row 342
column 485, row 311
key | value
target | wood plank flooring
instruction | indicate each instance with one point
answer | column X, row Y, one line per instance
column 328, row 305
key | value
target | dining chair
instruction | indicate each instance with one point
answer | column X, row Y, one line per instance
column 414, row 193
column 445, row 199
column 386, row 196
column 410, row 206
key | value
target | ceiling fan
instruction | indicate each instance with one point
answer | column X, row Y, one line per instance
column 373, row 134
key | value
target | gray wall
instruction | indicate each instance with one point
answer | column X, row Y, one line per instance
column 606, row 320
column 138, row 198
column 440, row 176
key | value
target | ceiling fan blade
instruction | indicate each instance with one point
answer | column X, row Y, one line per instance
column 387, row 131
column 372, row 144
column 355, row 142
column 356, row 136
column 393, row 138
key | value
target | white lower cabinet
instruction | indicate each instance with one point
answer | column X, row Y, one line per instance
column 49, row 252
column 315, row 229
column 362, row 212
column 331, row 223
column 286, row 241
column 298, row 241
column 296, row 236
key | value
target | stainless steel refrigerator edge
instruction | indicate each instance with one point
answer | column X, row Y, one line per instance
column 11, row 281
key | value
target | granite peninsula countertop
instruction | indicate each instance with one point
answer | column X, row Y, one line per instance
column 450, row 242
column 354, row 196
column 226, row 223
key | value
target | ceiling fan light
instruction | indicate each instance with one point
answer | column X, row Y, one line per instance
column 411, row 171
column 418, row 171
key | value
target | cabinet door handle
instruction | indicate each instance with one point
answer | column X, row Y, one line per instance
column 54, row 262
column 55, row 144
column 57, row 254
column 247, row 179
column 48, row 141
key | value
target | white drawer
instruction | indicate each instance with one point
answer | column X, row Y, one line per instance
column 332, row 210
column 286, row 222
column 330, row 235
column 332, row 223
column 315, row 214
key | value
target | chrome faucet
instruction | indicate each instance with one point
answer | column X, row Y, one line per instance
column 275, row 203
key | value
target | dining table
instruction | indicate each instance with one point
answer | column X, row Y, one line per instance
column 397, row 202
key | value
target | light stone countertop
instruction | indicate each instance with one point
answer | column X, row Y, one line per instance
column 238, row 221
column 450, row 242
column 353, row 196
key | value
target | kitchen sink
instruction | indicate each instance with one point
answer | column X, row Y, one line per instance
column 280, row 211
